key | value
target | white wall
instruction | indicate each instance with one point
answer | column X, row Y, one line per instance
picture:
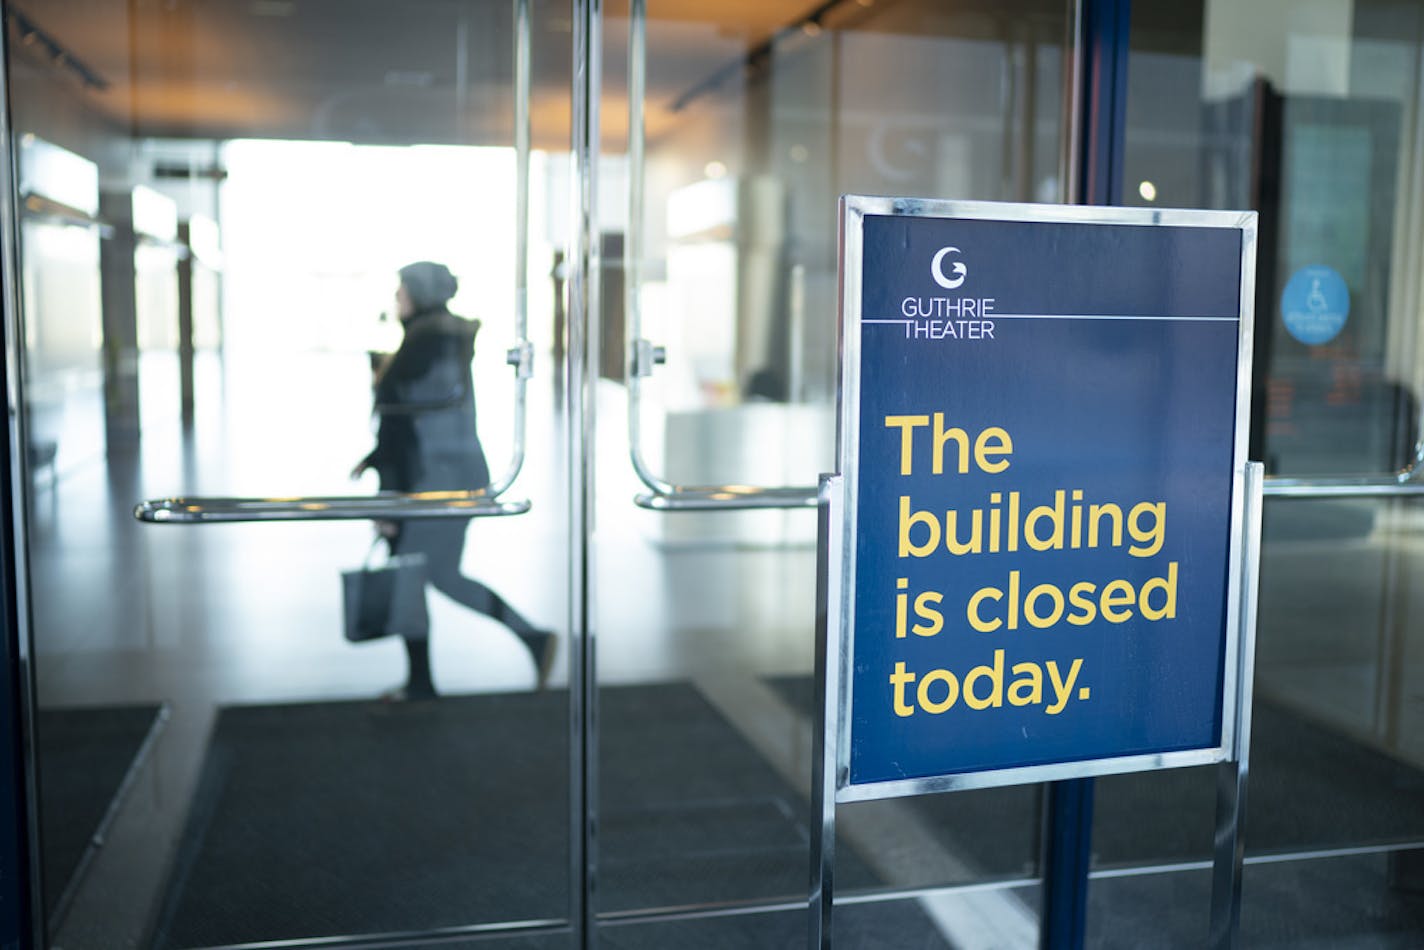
column 1302, row 46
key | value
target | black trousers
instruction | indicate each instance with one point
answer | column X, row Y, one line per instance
column 442, row 541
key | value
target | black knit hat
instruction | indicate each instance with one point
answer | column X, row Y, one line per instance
column 428, row 284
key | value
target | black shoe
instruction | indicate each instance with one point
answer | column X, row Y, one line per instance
column 409, row 694
column 544, row 646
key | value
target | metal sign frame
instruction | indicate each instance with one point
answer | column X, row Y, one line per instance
column 836, row 569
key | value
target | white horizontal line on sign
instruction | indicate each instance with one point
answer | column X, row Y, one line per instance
column 994, row 315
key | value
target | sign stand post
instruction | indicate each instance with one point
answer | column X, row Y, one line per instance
column 829, row 551
column 1230, row 847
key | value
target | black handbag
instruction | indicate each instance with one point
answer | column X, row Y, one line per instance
column 386, row 600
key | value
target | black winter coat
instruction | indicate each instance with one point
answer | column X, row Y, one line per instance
column 426, row 439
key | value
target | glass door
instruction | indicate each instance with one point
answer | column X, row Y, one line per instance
column 743, row 124
column 267, row 248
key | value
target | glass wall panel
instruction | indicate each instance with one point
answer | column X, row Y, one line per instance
column 757, row 118
column 1310, row 114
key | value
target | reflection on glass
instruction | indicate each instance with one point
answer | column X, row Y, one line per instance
column 754, row 126
column 427, row 441
column 60, row 254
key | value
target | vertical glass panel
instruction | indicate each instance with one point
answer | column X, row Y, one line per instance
column 218, row 198
column 1308, row 113
column 755, row 123
column 757, row 118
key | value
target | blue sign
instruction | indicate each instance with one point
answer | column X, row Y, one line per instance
column 1042, row 492
column 1315, row 304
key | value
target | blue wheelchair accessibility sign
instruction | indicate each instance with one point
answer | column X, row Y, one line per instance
column 1315, row 304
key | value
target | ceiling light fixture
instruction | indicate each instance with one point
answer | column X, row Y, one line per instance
column 31, row 36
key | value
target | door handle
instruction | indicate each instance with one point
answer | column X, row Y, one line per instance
column 726, row 498
column 1405, row 483
column 384, row 506
column 521, row 355
column 1369, row 487
column 642, row 354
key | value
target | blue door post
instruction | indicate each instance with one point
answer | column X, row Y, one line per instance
column 1067, row 849
column 1102, row 92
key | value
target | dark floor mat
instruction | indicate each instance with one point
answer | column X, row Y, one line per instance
column 347, row 818
column 363, row 817
column 692, row 814
column 86, row 757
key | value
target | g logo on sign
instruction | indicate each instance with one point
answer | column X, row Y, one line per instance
column 937, row 269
